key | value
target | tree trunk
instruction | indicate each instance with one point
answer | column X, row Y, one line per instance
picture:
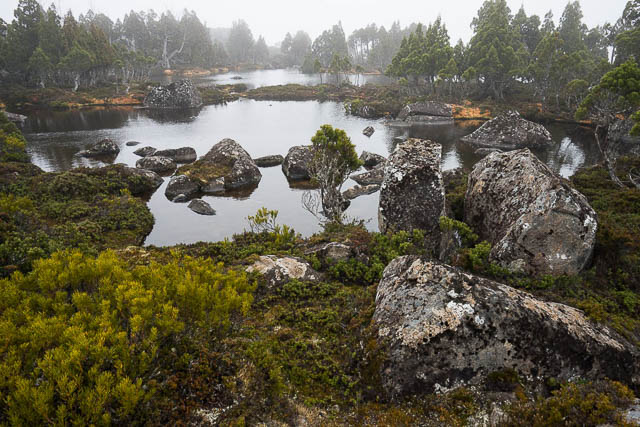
column 603, row 147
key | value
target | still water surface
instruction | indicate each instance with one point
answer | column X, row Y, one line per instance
column 262, row 128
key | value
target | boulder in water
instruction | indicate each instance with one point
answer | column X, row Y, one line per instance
column 180, row 94
column 103, row 148
column 357, row 191
column 297, row 163
column 157, row 164
column 510, row 131
column 201, row 207
column 368, row 131
column 269, row 161
column 426, row 112
column 145, row 151
column 178, row 155
column 371, row 160
column 181, row 184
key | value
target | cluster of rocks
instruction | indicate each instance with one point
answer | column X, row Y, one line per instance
column 510, row 131
column 180, row 94
column 429, row 112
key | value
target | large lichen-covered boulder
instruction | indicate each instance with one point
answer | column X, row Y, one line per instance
column 536, row 222
column 180, row 94
column 510, row 131
column 297, row 163
column 412, row 193
column 429, row 111
column 442, row 328
column 227, row 166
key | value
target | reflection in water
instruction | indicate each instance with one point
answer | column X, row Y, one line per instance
column 262, row 128
column 260, row 78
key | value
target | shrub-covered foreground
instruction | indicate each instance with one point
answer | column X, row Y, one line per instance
column 12, row 143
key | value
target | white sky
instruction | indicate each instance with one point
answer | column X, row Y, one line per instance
column 274, row 18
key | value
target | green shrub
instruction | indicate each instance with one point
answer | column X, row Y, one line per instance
column 12, row 143
column 83, row 338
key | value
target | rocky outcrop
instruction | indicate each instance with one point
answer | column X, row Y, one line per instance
column 227, row 166
column 426, row 112
column 278, row 271
column 372, row 177
column 536, row 222
column 145, row 151
column 510, row 131
column 442, row 328
column 178, row 155
column 297, row 162
column 357, row 191
column 180, row 94
column 371, row 160
column 201, row 207
column 269, row 161
column 412, row 194
column 157, row 164
column 181, row 185
column 368, row 131
column 104, row 148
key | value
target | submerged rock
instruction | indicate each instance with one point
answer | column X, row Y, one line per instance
column 181, row 185
column 371, row 160
column 180, row 94
column 269, row 161
column 373, row 177
column 103, row 148
column 368, row 131
column 357, row 191
column 426, row 112
column 178, row 155
column 297, row 162
column 536, row 222
column 510, row 131
column 157, row 164
column 278, row 271
column 412, row 194
column 227, row 166
column 201, row 207
column 443, row 328
column 132, row 143
column 145, row 151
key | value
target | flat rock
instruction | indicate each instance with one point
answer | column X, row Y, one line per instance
column 145, row 151
column 371, row 160
column 297, row 162
column 278, row 271
column 536, row 222
column 269, row 161
column 132, row 143
column 360, row 190
column 373, row 177
column 103, row 148
column 368, row 131
column 157, row 164
column 442, row 328
column 510, row 131
column 412, row 195
column 179, row 155
column 201, row 207
column 181, row 185
column 426, row 112
column 180, row 94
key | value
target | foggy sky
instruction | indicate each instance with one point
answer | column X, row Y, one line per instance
column 274, row 18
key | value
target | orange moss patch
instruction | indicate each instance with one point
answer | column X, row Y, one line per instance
column 467, row 112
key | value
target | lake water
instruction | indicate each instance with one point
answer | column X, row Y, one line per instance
column 262, row 128
column 259, row 78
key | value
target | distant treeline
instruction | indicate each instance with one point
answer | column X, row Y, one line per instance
column 559, row 61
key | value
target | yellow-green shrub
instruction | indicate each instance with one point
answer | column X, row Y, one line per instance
column 81, row 336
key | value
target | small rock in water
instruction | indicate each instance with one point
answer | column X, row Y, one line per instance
column 296, row 164
column 374, row 176
column 357, row 191
column 201, row 207
column 269, row 161
column 106, row 147
column 132, row 143
column 145, row 151
column 156, row 164
column 180, row 198
column 178, row 155
column 368, row 131
column 371, row 160
column 181, row 185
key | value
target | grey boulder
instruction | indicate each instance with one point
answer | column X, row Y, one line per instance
column 441, row 328
column 157, row 164
column 177, row 95
column 357, row 191
column 368, row 131
column 269, row 161
column 412, row 195
column 536, row 222
column 297, row 163
column 372, row 177
column 145, row 151
column 371, row 160
column 132, row 143
column 510, row 131
column 201, row 207
column 181, row 185
column 278, row 271
column 103, row 148
column 179, row 155
column 429, row 111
